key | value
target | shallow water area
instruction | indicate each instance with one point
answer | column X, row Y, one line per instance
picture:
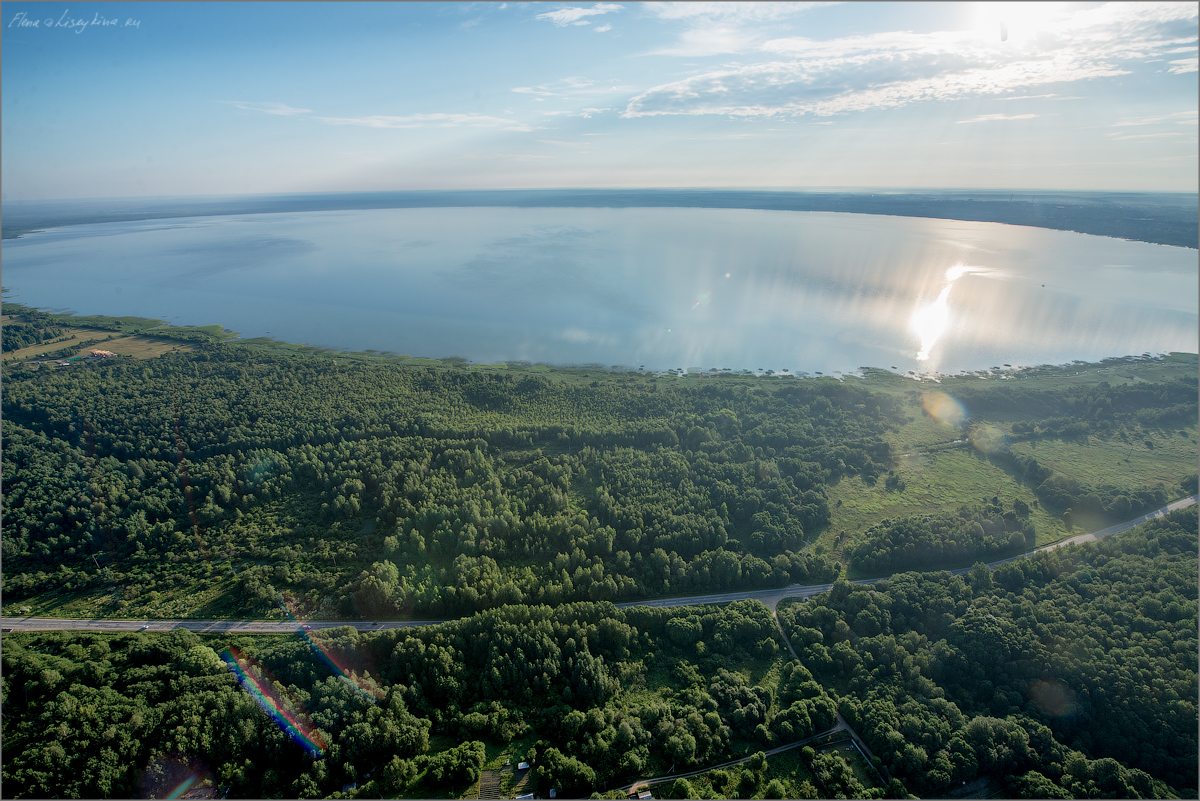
column 661, row 288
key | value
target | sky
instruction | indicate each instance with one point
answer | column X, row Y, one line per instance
column 183, row 99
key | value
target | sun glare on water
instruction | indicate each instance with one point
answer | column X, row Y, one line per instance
column 929, row 322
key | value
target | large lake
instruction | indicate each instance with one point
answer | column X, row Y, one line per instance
column 663, row 288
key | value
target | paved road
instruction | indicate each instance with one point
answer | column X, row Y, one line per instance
column 199, row 626
column 1182, row 503
column 770, row 597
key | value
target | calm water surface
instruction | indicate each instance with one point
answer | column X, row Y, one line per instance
column 663, row 288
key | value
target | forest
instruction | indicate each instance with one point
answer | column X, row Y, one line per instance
column 377, row 490
column 591, row 695
column 215, row 482
column 1071, row 674
column 519, row 507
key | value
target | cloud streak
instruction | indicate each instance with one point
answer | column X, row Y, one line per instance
column 892, row 69
column 279, row 109
column 998, row 118
column 437, row 120
column 427, row 121
column 574, row 16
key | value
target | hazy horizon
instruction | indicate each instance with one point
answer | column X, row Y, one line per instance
column 899, row 190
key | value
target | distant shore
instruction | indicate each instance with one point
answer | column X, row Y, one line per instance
column 1156, row 218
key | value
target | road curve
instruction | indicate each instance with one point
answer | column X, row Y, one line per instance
column 770, row 598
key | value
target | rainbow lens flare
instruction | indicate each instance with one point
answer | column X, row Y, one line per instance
column 177, row 776
column 943, row 408
column 337, row 663
column 275, row 701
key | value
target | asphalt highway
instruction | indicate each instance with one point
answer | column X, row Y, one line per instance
column 770, row 597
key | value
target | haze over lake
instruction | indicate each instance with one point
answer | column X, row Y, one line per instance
column 663, row 287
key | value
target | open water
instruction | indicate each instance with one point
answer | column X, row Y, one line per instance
column 661, row 288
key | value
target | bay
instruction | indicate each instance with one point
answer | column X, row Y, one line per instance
column 661, row 288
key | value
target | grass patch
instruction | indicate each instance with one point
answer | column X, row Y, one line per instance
column 939, row 472
column 1124, row 459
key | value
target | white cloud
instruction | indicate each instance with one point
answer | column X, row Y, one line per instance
column 892, row 69
column 425, row 121
column 604, row 28
column 1120, row 136
column 1185, row 65
column 1181, row 117
column 999, row 117
column 711, row 40
column 586, row 113
column 716, row 28
column 269, row 108
column 1027, row 97
column 740, row 12
column 569, row 87
column 573, row 16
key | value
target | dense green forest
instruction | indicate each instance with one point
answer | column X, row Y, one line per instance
column 1073, row 672
column 212, row 482
column 243, row 480
column 593, row 696
column 378, row 490
column 1068, row 675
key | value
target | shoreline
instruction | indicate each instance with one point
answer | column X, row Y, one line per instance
column 216, row 335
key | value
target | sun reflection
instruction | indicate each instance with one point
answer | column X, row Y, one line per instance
column 929, row 322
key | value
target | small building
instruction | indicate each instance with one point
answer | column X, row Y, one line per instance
column 104, row 354
column 522, row 766
column 644, row 795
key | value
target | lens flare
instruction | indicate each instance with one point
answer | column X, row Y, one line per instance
column 944, row 409
column 988, row 439
column 176, row 776
column 1053, row 697
column 275, row 701
column 337, row 662
column 183, row 787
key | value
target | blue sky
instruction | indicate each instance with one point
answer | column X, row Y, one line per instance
column 134, row 99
